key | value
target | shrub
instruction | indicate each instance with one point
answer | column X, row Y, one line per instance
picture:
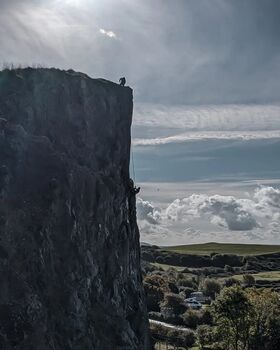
column 220, row 260
column 206, row 317
column 248, row 280
column 158, row 331
column 211, row 288
column 181, row 338
column 185, row 282
column 172, row 287
column 229, row 268
column 231, row 282
column 191, row 318
column 188, row 291
column 155, row 286
column 156, row 316
column 204, row 336
column 175, row 302
column 148, row 256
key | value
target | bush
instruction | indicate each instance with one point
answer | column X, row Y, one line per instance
column 206, row 317
column 174, row 302
column 158, row 331
column 231, row 282
column 181, row 338
column 191, row 318
column 204, row 336
column 155, row 286
column 172, row 287
column 157, row 316
column 248, row 280
column 147, row 256
column 220, row 260
column 188, row 291
column 229, row 268
column 186, row 283
column 211, row 288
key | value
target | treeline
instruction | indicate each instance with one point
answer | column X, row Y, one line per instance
column 243, row 319
column 266, row 262
column 155, row 255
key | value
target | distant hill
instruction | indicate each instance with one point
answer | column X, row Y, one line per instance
column 224, row 248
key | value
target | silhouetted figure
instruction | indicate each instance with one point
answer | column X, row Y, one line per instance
column 132, row 188
column 136, row 190
column 122, row 81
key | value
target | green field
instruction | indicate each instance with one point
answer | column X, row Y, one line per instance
column 166, row 267
column 224, row 248
column 267, row 276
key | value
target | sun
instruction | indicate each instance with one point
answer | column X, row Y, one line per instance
column 74, row 3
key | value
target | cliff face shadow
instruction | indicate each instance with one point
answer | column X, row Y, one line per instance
column 69, row 241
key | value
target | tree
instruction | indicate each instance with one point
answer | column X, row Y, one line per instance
column 175, row 302
column 191, row 318
column 231, row 282
column 265, row 320
column 184, row 339
column 155, row 286
column 231, row 314
column 204, row 335
column 211, row 288
column 247, row 319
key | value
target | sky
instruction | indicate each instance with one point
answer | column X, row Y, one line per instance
column 206, row 81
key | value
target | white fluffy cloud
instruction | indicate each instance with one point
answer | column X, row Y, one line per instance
column 268, row 197
column 257, row 215
column 225, row 211
column 108, row 33
column 146, row 211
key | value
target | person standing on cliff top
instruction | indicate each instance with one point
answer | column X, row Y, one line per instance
column 122, row 81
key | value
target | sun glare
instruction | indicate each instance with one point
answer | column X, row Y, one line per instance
column 75, row 3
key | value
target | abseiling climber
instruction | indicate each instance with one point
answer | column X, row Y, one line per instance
column 122, row 81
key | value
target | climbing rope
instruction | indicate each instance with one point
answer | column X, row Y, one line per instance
column 133, row 167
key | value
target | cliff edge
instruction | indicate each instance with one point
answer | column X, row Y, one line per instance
column 69, row 242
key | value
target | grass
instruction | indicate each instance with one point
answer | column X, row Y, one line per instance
column 224, row 248
column 166, row 267
column 267, row 276
column 164, row 346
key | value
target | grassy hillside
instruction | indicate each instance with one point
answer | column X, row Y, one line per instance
column 267, row 276
column 224, row 248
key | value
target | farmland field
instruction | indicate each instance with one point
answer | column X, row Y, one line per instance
column 224, row 248
column 267, row 276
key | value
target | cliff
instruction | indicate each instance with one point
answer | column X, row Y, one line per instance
column 69, row 243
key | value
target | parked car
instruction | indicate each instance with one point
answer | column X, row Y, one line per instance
column 193, row 303
column 199, row 296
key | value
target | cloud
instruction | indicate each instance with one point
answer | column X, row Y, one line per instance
column 224, row 211
column 161, row 124
column 216, row 135
column 146, row 211
column 195, row 217
column 109, row 33
column 268, row 197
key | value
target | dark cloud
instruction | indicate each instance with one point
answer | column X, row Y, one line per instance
column 183, row 51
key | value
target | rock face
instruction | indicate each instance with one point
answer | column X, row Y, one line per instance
column 69, row 243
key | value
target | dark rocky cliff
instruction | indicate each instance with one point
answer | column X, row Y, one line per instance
column 69, row 243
